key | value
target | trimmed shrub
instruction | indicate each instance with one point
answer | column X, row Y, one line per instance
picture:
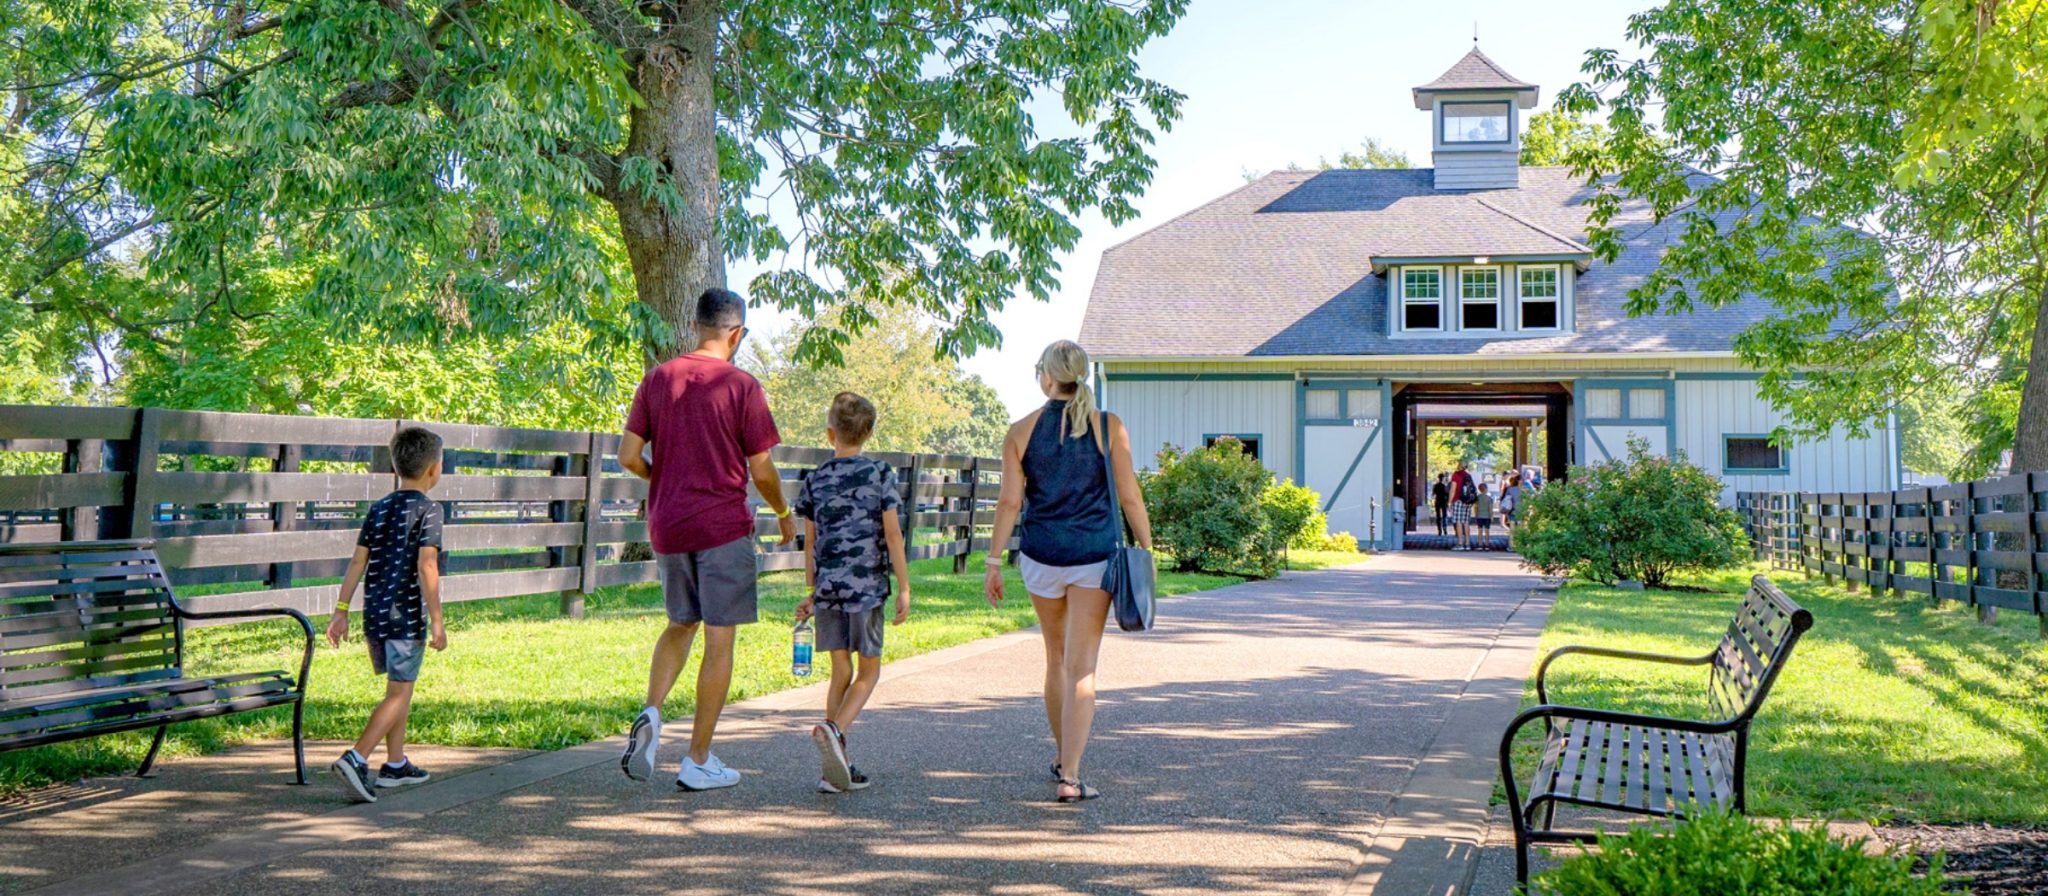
column 1207, row 510
column 1342, row 541
column 1642, row 517
column 1295, row 516
column 1718, row 854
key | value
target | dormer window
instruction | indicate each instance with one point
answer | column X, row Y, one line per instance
column 1479, row 298
column 1422, row 299
column 1537, row 295
column 1475, row 122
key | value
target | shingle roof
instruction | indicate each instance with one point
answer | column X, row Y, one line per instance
column 1476, row 72
column 1283, row 266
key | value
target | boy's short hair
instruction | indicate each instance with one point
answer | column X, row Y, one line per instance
column 414, row 450
column 852, row 417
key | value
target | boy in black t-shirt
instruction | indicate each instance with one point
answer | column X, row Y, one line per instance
column 398, row 562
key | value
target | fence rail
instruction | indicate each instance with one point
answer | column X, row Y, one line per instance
column 1977, row 543
column 246, row 507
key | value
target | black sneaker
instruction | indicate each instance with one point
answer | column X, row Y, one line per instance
column 401, row 775
column 355, row 778
column 855, row 779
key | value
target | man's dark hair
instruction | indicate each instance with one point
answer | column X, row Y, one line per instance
column 414, row 450
column 852, row 417
column 720, row 309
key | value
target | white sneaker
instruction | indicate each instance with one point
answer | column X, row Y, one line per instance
column 712, row 775
column 641, row 743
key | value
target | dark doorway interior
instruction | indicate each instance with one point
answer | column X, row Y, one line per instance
column 1446, row 411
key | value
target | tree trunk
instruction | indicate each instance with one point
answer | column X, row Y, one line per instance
column 675, row 257
column 2030, row 432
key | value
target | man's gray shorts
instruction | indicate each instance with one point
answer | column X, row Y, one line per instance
column 860, row 631
column 716, row 586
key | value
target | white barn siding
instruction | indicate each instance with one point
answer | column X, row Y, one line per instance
column 1711, row 409
column 1177, row 412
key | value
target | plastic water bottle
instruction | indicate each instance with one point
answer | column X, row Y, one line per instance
column 801, row 641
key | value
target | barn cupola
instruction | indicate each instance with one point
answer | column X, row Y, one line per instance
column 1476, row 109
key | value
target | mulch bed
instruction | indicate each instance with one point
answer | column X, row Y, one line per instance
column 1991, row 861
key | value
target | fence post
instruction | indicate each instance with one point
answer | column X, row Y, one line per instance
column 81, row 523
column 1984, row 614
column 2032, row 544
column 135, row 516
column 910, row 514
column 563, row 511
column 284, row 515
column 972, row 504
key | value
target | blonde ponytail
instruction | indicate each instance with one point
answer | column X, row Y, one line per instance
column 1067, row 365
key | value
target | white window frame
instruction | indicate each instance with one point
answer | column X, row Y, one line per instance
column 1507, row 118
column 1523, row 299
column 1499, row 321
column 1442, row 316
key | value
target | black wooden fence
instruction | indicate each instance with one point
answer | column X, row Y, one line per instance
column 245, row 507
column 1981, row 543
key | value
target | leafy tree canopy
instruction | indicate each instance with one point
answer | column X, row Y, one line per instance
column 921, row 404
column 427, row 170
column 1552, row 136
column 1371, row 153
column 1919, row 121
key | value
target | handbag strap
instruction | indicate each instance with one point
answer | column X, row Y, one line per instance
column 1116, row 508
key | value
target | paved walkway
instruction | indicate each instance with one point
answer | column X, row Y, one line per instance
column 1325, row 732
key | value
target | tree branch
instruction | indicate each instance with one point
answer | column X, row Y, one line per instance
column 615, row 25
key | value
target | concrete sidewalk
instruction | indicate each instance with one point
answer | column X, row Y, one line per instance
column 1309, row 734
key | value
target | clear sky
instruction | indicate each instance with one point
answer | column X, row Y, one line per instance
column 1270, row 82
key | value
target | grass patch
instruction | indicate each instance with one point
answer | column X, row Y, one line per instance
column 517, row 674
column 1890, row 709
column 1298, row 560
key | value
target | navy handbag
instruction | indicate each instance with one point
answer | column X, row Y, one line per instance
column 1128, row 578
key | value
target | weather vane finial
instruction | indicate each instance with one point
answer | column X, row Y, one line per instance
column 1475, row 32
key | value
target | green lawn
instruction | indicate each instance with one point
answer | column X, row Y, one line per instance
column 516, row 674
column 1889, row 709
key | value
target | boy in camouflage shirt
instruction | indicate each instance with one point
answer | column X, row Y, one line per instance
column 850, row 506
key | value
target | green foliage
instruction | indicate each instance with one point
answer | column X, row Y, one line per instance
column 1371, row 153
column 1718, row 853
column 431, row 171
column 1555, row 137
column 1341, row 542
column 1641, row 517
column 1917, row 120
column 1208, row 511
column 923, row 404
column 1490, row 449
column 1294, row 514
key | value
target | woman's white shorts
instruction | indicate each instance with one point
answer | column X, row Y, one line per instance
column 1045, row 580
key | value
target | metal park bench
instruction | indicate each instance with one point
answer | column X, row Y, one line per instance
column 92, row 641
column 1651, row 765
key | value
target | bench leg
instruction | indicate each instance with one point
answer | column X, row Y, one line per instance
column 299, row 738
column 149, row 760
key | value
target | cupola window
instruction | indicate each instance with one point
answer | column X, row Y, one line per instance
column 1475, row 122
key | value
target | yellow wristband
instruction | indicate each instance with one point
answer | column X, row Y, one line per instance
column 341, row 606
column 783, row 514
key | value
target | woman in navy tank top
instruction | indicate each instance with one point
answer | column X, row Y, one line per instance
column 1053, row 475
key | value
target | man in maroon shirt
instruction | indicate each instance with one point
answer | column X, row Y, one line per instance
column 709, row 428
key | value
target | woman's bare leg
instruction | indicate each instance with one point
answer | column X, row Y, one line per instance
column 1052, row 628
column 1087, row 608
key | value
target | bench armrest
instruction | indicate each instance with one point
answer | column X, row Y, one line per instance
column 1543, row 695
column 305, row 660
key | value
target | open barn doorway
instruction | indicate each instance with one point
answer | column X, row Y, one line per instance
column 1496, row 429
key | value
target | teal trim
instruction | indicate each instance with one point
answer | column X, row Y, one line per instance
column 1784, row 455
column 1199, row 377
column 1595, row 436
column 1370, row 438
column 1387, row 465
column 1300, row 433
column 1256, row 439
column 1577, row 424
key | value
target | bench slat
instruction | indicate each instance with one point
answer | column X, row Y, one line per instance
column 1658, row 749
column 130, row 703
column 31, row 677
column 50, row 628
column 125, row 643
column 72, row 686
column 1589, row 773
column 1703, row 784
